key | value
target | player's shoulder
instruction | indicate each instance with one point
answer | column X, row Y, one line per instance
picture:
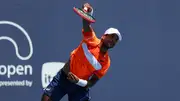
column 92, row 42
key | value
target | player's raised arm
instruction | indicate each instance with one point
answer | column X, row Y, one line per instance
column 86, row 24
column 88, row 31
column 86, row 13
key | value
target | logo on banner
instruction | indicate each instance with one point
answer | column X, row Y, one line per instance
column 8, row 71
column 49, row 70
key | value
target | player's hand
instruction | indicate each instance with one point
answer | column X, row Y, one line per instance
column 89, row 7
column 72, row 77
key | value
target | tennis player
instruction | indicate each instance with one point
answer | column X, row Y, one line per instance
column 88, row 63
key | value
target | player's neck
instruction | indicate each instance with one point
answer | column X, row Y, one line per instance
column 103, row 49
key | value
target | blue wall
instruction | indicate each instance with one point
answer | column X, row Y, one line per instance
column 145, row 65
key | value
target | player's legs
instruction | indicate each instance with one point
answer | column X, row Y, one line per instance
column 56, row 89
column 81, row 94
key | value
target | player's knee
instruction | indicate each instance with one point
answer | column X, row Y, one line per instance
column 45, row 98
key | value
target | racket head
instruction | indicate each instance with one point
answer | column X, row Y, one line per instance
column 84, row 15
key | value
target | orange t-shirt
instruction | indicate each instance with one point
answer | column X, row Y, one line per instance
column 87, row 60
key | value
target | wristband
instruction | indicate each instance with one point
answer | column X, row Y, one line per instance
column 82, row 83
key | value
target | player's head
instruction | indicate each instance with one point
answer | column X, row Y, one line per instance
column 111, row 37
